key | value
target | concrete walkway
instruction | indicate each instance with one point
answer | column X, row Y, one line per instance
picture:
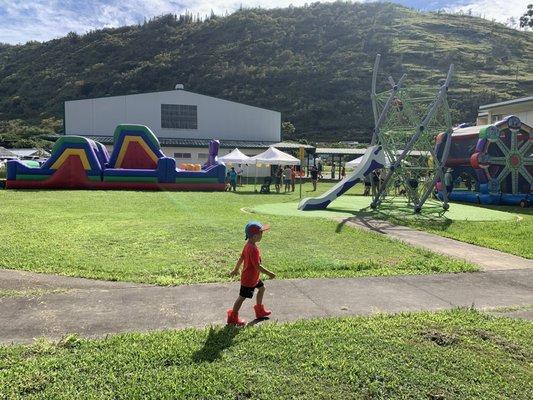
column 486, row 259
column 95, row 309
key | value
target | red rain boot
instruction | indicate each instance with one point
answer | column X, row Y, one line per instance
column 261, row 312
column 233, row 318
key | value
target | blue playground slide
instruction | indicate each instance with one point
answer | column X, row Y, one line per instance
column 374, row 158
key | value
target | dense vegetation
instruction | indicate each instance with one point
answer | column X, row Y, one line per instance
column 311, row 63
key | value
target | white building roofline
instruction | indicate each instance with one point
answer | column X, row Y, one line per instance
column 171, row 91
column 506, row 103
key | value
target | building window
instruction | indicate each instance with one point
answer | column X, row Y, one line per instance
column 203, row 156
column 496, row 118
column 179, row 116
column 182, row 155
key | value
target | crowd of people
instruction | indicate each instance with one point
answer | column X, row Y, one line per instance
column 283, row 177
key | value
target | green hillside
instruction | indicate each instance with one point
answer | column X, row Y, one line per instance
column 311, row 63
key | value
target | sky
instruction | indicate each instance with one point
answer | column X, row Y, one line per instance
column 41, row 20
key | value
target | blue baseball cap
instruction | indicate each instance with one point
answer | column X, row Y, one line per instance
column 253, row 228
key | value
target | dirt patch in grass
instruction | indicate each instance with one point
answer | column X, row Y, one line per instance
column 440, row 338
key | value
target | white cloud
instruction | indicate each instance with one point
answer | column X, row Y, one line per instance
column 23, row 20
column 498, row 10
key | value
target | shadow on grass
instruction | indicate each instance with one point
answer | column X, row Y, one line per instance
column 397, row 214
column 218, row 339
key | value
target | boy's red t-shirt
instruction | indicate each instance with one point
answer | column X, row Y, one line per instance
column 252, row 258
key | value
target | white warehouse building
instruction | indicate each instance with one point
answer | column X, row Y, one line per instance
column 183, row 121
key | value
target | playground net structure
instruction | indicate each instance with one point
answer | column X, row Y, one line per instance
column 415, row 133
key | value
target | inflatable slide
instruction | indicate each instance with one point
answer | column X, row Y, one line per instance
column 374, row 158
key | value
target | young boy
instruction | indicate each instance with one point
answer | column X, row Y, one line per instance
column 251, row 258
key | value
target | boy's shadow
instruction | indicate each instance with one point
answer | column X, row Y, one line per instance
column 257, row 321
column 219, row 339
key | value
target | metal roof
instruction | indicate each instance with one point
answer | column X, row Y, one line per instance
column 506, row 103
column 291, row 145
column 348, row 151
column 185, row 142
column 30, row 152
column 5, row 153
column 339, row 150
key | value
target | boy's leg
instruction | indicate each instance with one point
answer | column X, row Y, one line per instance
column 238, row 303
column 259, row 308
column 259, row 297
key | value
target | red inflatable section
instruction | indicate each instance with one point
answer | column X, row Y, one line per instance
column 71, row 175
column 137, row 158
column 474, row 161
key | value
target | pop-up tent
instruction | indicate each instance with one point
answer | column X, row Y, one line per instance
column 276, row 157
column 236, row 157
column 273, row 156
column 357, row 161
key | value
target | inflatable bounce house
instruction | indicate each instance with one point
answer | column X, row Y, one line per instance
column 137, row 163
column 495, row 162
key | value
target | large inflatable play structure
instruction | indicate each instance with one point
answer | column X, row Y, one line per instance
column 494, row 161
column 406, row 128
column 136, row 163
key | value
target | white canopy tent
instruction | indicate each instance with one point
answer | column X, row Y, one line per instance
column 236, row 157
column 357, row 161
column 273, row 156
column 276, row 157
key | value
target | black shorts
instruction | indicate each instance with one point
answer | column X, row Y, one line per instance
column 248, row 292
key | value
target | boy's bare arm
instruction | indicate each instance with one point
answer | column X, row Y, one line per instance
column 270, row 274
column 235, row 270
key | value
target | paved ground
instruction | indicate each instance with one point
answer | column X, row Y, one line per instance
column 487, row 259
column 94, row 309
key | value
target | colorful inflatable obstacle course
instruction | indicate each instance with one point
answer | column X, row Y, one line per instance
column 136, row 163
column 495, row 163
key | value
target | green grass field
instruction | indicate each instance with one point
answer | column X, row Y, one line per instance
column 503, row 228
column 460, row 354
column 511, row 236
column 186, row 237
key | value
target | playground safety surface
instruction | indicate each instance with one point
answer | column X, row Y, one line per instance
column 349, row 206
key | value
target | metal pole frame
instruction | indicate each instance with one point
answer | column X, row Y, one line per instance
column 395, row 88
column 440, row 167
column 419, row 130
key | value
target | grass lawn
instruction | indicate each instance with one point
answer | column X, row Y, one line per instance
column 504, row 228
column 512, row 236
column 186, row 237
column 459, row 354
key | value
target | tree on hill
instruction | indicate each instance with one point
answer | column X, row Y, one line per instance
column 287, row 129
column 526, row 20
